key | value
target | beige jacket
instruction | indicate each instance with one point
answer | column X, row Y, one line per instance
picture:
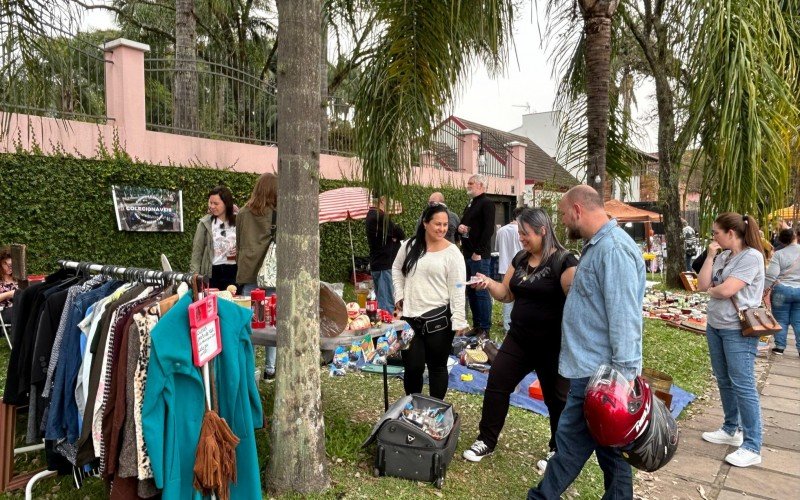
column 253, row 233
column 203, row 248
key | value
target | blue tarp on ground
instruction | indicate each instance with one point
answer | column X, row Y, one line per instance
column 520, row 398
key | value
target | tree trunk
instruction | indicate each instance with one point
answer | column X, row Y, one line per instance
column 184, row 94
column 656, row 51
column 323, row 87
column 297, row 459
column 597, row 27
column 668, row 174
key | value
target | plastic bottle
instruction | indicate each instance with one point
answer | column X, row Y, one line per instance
column 258, row 303
column 273, row 313
column 372, row 307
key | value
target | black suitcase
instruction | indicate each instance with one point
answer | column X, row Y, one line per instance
column 405, row 450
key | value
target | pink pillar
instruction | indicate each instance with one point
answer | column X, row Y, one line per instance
column 468, row 151
column 125, row 88
column 516, row 165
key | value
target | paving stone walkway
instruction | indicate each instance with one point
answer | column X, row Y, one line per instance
column 699, row 470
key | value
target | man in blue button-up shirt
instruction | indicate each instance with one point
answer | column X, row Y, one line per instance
column 602, row 324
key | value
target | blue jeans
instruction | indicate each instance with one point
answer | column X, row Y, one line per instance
column 480, row 302
column 384, row 289
column 786, row 308
column 575, row 445
column 733, row 362
column 271, row 352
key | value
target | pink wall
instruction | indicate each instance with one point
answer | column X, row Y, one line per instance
column 125, row 107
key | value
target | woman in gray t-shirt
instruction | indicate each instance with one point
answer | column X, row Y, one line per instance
column 734, row 273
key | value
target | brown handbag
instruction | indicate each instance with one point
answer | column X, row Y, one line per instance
column 757, row 321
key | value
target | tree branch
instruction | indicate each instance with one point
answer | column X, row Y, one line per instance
column 152, row 4
column 121, row 13
column 640, row 39
column 270, row 58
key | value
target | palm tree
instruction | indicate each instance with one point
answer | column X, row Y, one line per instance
column 297, row 459
column 597, row 16
column 185, row 107
column 704, row 73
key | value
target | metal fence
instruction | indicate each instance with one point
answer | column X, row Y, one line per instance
column 495, row 154
column 339, row 139
column 215, row 100
column 220, row 101
column 55, row 76
column 445, row 144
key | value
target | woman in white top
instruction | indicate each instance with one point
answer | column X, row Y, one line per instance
column 428, row 275
column 214, row 247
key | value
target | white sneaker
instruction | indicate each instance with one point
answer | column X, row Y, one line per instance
column 542, row 464
column 477, row 451
column 719, row 436
column 743, row 458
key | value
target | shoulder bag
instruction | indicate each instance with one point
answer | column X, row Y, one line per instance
column 768, row 291
column 756, row 321
column 267, row 274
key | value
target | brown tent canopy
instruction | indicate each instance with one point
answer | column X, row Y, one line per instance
column 626, row 213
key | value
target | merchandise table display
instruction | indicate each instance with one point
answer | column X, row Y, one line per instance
column 680, row 310
column 268, row 336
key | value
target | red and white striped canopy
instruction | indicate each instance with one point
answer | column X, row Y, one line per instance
column 341, row 204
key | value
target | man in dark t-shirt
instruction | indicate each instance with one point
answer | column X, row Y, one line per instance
column 476, row 230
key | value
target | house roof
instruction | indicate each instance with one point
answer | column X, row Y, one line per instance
column 539, row 166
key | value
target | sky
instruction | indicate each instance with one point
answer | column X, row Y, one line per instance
column 526, row 85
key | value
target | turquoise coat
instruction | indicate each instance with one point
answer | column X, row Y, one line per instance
column 174, row 401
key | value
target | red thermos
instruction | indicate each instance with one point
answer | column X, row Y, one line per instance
column 273, row 314
column 258, row 302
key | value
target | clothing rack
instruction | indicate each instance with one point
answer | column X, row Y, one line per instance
column 129, row 273
column 8, row 480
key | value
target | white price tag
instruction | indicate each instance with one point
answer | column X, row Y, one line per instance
column 207, row 344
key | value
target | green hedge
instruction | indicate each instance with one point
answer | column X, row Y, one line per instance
column 61, row 207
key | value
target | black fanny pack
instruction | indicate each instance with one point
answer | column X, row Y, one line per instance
column 436, row 320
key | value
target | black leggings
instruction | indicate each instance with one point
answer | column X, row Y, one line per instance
column 431, row 349
column 512, row 364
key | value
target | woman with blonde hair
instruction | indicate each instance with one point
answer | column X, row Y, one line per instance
column 255, row 226
column 733, row 276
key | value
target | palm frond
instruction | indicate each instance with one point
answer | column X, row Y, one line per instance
column 424, row 48
column 745, row 68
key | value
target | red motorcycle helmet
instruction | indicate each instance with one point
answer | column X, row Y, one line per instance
column 617, row 411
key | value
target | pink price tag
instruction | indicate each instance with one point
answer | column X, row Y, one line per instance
column 205, row 330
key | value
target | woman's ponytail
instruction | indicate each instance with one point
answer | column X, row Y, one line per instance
column 752, row 234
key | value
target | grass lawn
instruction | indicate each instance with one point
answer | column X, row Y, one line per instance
column 352, row 404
